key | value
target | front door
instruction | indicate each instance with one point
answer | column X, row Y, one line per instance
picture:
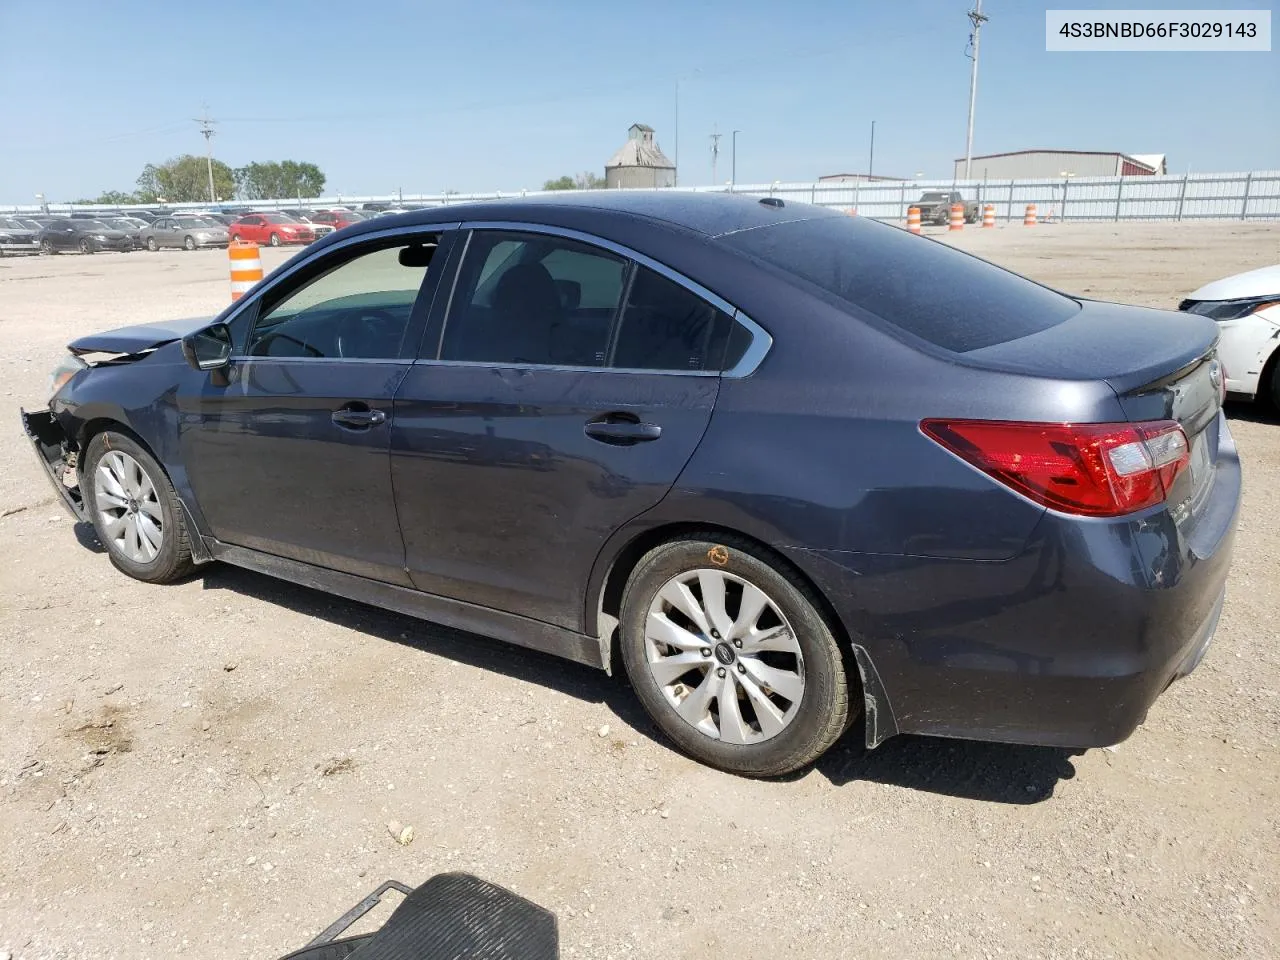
column 552, row 408
column 287, row 452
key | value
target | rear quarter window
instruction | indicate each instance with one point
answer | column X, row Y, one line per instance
column 925, row 288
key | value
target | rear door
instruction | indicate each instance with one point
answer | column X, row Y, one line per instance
column 559, row 395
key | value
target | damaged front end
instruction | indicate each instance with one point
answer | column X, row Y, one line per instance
column 56, row 456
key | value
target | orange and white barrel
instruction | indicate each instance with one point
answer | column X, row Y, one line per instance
column 1029, row 220
column 246, row 267
column 989, row 215
column 957, row 217
column 913, row 219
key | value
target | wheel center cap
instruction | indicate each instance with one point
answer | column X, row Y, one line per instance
column 133, row 506
column 724, row 653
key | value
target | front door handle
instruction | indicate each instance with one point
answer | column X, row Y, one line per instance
column 358, row 418
column 621, row 430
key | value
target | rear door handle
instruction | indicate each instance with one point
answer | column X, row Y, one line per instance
column 622, row 432
column 354, row 418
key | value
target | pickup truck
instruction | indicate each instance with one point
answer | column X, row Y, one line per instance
column 935, row 206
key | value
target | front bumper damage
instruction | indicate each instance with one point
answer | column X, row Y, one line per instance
column 56, row 457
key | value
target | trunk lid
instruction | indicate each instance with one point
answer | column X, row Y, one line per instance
column 1161, row 365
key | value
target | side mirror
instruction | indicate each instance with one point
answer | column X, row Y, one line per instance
column 208, row 349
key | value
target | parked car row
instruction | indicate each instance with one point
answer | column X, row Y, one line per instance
column 191, row 230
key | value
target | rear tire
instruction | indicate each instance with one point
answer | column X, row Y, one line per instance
column 1275, row 386
column 785, row 645
column 274, row 240
column 135, row 510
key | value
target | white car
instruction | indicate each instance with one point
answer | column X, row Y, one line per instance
column 1247, row 310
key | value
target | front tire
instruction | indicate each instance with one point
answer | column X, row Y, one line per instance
column 274, row 240
column 85, row 246
column 731, row 658
column 152, row 245
column 135, row 510
column 46, row 247
column 189, row 244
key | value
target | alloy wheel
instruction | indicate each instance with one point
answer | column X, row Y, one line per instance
column 128, row 507
column 724, row 656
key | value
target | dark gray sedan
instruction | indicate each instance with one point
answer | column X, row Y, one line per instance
column 187, row 232
column 17, row 239
column 743, row 449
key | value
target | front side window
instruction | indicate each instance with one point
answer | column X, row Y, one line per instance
column 358, row 308
column 529, row 298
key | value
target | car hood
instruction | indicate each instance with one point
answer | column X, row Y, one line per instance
column 109, row 234
column 1262, row 282
column 137, row 338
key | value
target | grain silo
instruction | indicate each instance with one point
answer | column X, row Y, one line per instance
column 639, row 162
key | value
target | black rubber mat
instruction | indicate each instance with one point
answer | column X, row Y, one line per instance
column 455, row 916
column 338, row 950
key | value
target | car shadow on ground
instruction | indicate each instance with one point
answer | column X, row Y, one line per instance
column 967, row 769
column 87, row 537
column 998, row 773
column 1252, row 412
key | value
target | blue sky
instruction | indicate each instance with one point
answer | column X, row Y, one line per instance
column 428, row 96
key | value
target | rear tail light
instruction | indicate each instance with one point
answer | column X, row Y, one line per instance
column 1090, row 469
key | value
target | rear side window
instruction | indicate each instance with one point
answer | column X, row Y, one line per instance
column 952, row 300
column 667, row 327
column 536, row 299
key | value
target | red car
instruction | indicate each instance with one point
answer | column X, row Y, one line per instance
column 339, row 218
column 271, row 228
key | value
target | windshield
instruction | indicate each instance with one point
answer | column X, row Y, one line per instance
column 11, row 225
column 925, row 288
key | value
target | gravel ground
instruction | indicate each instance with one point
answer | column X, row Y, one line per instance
column 208, row 769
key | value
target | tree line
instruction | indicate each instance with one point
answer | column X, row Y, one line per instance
column 583, row 181
column 185, row 179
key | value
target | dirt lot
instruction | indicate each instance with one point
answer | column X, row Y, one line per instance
column 207, row 770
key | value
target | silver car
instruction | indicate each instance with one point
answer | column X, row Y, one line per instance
column 17, row 239
column 184, row 231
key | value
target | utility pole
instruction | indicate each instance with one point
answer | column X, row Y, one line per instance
column 871, row 160
column 206, row 130
column 675, row 177
column 733, row 160
column 715, row 155
column 977, row 18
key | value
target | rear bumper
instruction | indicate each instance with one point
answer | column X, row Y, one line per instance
column 46, row 435
column 11, row 249
column 1068, row 644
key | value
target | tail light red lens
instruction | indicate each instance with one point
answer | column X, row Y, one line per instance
column 1090, row 469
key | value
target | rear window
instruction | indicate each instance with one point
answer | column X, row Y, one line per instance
column 943, row 296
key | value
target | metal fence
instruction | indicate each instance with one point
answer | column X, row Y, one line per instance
column 1209, row 196
column 1202, row 196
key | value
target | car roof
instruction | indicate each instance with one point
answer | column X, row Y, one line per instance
column 708, row 214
